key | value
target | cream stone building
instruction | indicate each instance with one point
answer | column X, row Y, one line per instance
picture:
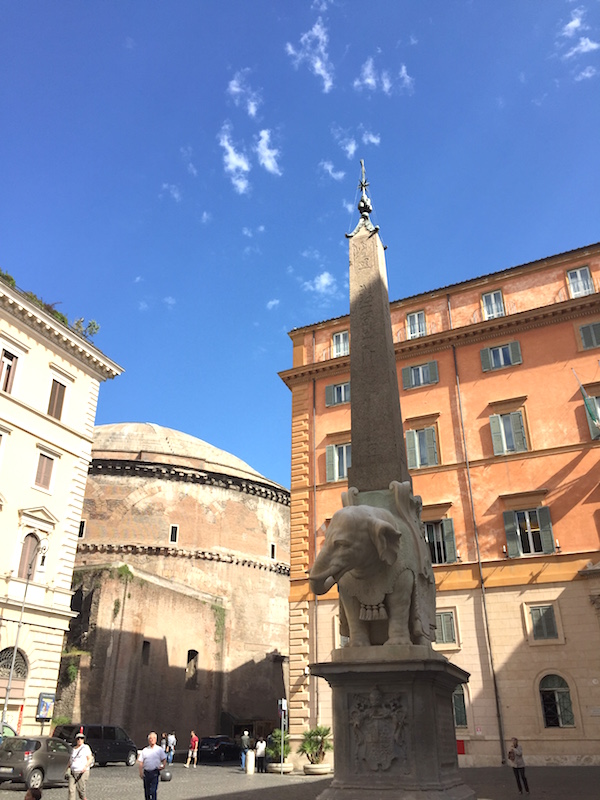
column 49, row 382
column 182, row 582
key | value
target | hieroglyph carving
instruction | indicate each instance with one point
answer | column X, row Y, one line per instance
column 378, row 731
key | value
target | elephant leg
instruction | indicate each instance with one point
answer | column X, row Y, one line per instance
column 358, row 629
column 398, row 605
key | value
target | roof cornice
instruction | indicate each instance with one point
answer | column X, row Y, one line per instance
column 15, row 304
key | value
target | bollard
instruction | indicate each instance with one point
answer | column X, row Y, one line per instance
column 250, row 755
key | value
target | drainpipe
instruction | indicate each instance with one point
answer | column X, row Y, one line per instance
column 315, row 682
column 486, row 624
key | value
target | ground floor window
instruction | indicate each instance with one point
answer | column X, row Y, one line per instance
column 556, row 702
column 460, row 709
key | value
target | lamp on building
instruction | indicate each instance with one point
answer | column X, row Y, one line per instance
column 557, row 545
column 504, row 551
column 41, row 548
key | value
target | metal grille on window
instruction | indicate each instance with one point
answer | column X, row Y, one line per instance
column 6, row 657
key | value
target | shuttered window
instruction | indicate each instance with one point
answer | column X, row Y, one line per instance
column 337, row 393
column 445, row 629
column 508, row 433
column 8, row 366
column 543, row 622
column 420, row 375
column 590, row 335
column 57, row 398
column 440, row 538
column 505, row 355
column 338, row 458
column 528, row 532
column 43, row 475
column 421, row 448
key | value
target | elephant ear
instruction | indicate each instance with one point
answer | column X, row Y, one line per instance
column 386, row 540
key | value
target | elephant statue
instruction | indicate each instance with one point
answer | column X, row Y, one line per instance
column 382, row 566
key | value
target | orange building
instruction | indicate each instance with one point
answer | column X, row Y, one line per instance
column 505, row 452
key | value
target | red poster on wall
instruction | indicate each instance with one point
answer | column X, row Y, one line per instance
column 20, row 721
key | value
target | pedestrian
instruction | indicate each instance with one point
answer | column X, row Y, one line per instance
column 33, row 794
column 245, row 742
column 163, row 741
column 261, row 754
column 515, row 759
column 192, row 751
column 151, row 761
column 171, row 745
column 80, row 762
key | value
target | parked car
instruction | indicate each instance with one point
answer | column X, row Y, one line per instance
column 35, row 761
column 109, row 743
column 7, row 731
column 218, row 748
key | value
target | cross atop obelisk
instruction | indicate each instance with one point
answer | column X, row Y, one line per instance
column 378, row 450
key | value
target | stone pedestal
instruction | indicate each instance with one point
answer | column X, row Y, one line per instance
column 393, row 724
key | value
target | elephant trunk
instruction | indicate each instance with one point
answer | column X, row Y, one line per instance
column 321, row 584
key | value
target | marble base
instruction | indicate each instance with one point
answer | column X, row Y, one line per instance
column 393, row 724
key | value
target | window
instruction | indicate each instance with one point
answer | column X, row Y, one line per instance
column 173, row 533
column 506, row 355
column 493, row 305
column 337, row 393
column 421, row 448
column 421, row 375
column 508, row 433
column 580, row 282
column 556, row 702
column 440, row 538
column 590, row 335
column 445, row 629
column 528, row 532
column 338, row 459
column 415, row 325
column 57, row 398
column 43, row 475
column 592, row 413
column 81, row 533
column 543, row 622
column 28, row 560
column 341, row 344
column 20, row 670
column 191, row 670
column 8, row 365
column 272, row 551
column 145, row 652
column 459, row 707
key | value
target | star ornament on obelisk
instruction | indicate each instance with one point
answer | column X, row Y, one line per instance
column 378, row 450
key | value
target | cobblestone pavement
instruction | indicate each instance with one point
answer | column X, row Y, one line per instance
column 228, row 782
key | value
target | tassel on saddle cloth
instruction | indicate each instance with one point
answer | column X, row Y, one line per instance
column 369, row 613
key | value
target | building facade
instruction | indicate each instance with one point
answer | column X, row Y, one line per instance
column 181, row 584
column 504, row 451
column 49, row 382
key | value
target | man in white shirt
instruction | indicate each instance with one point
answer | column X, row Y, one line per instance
column 151, row 761
column 79, row 768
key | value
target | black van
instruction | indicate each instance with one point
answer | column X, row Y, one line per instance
column 109, row 743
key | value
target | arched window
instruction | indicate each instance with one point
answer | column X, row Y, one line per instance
column 30, row 545
column 556, row 702
column 6, row 657
column 460, row 709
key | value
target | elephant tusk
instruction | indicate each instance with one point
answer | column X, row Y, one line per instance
column 328, row 583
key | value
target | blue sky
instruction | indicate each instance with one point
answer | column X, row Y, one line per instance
column 184, row 173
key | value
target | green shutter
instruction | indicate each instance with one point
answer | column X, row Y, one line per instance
column 329, row 395
column 348, row 393
column 497, row 441
column 431, row 446
column 515, row 353
column 486, row 359
column 411, row 449
column 406, row 379
column 546, row 535
column 518, row 429
column 512, row 538
column 330, row 461
column 433, row 372
column 449, row 541
column 594, row 429
column 590, row 335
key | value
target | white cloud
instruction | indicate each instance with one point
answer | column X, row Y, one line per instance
column 586, row 74
column 406, row 82
column 386, row 82
column 247, row 232
column 328, row 167
column 323, row 284
column 267, row 156
column 260, row 229
column 138, row 279
column 313, row 50
column 312, row 253
column 413, row 39
column 129, row 43
column 169, row 302
column 186, row 154
column 368, row 76
column 371, row 138
column 585, row 46
column 348, row 206
column 320, row 5
column 272, row 304
column 206, row 217
column 172, row 190
column 372, row 81
column 236, row 163
column 576, row 25
column 242, row 93
column 142, row 305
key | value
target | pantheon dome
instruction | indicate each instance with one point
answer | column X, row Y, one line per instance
column 181, row 583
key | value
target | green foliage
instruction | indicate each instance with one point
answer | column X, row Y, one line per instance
column 124, row 572
column 4, row 276
column 315, row 744
column 48, row 307
column 72, row 672
column 60, row 720
column 219, row 613
column 274, row 748
column 88, row 331
column 116, row 608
